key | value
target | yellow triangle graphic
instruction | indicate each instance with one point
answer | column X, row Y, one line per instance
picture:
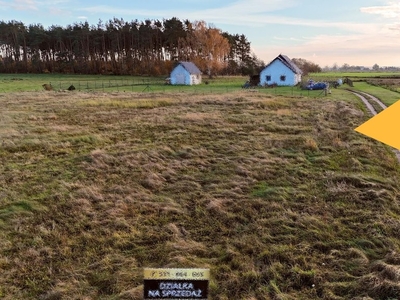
column 384, row 127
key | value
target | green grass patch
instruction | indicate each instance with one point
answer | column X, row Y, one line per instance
column 18, row 209
column 386, row 96
column 262, row 190
column 108, row 83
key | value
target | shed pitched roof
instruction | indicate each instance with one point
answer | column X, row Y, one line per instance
column 190, row 67
column 287, row 62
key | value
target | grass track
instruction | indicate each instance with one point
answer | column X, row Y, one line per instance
column 386, row 96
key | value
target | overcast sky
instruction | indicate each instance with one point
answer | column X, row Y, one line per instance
column 356, row 32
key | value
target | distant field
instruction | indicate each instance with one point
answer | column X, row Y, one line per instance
column 388, row 90
column 89, row 83
column 385, row 86
column 355, row 74
column 278, row 196
column 34, row 82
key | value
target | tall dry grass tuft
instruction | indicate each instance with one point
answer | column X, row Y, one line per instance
column 387, row 271
column 310, row 144
column 382, row 279
column 153, row 181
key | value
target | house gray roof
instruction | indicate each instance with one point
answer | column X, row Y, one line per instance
column 190, row 67
column 288, row 63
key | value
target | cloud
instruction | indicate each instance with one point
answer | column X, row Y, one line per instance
column 243, row 7
column 355, row 49
column 51, row 6
column 56, row 11
column 52, row 2
column 240, row 7
column 246, row 13
column 24, row 5
column 392, row 10
column 395, row 27
column 278, row 38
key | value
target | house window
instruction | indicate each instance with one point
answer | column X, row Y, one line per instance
column 283, row 77
column 268, row 78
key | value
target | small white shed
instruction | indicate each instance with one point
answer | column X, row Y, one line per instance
column 186, row 73
column 281, row 71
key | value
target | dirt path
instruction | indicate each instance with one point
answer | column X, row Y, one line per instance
column 372, row 109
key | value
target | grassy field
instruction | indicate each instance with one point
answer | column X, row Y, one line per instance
column 388, row 97
column 392, row 84
column 34, row 82
column 100, row 83
column 278, row 196
column 384, row 86
column 355, row 74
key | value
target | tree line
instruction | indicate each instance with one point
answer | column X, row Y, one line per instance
column 149, row 47
column 307, row 66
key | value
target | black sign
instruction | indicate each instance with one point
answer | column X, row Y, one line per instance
column 175, row 289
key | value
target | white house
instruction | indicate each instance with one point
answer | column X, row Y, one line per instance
column 185, row 73
column 280, row 71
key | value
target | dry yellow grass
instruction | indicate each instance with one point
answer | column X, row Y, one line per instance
column 279, row 197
